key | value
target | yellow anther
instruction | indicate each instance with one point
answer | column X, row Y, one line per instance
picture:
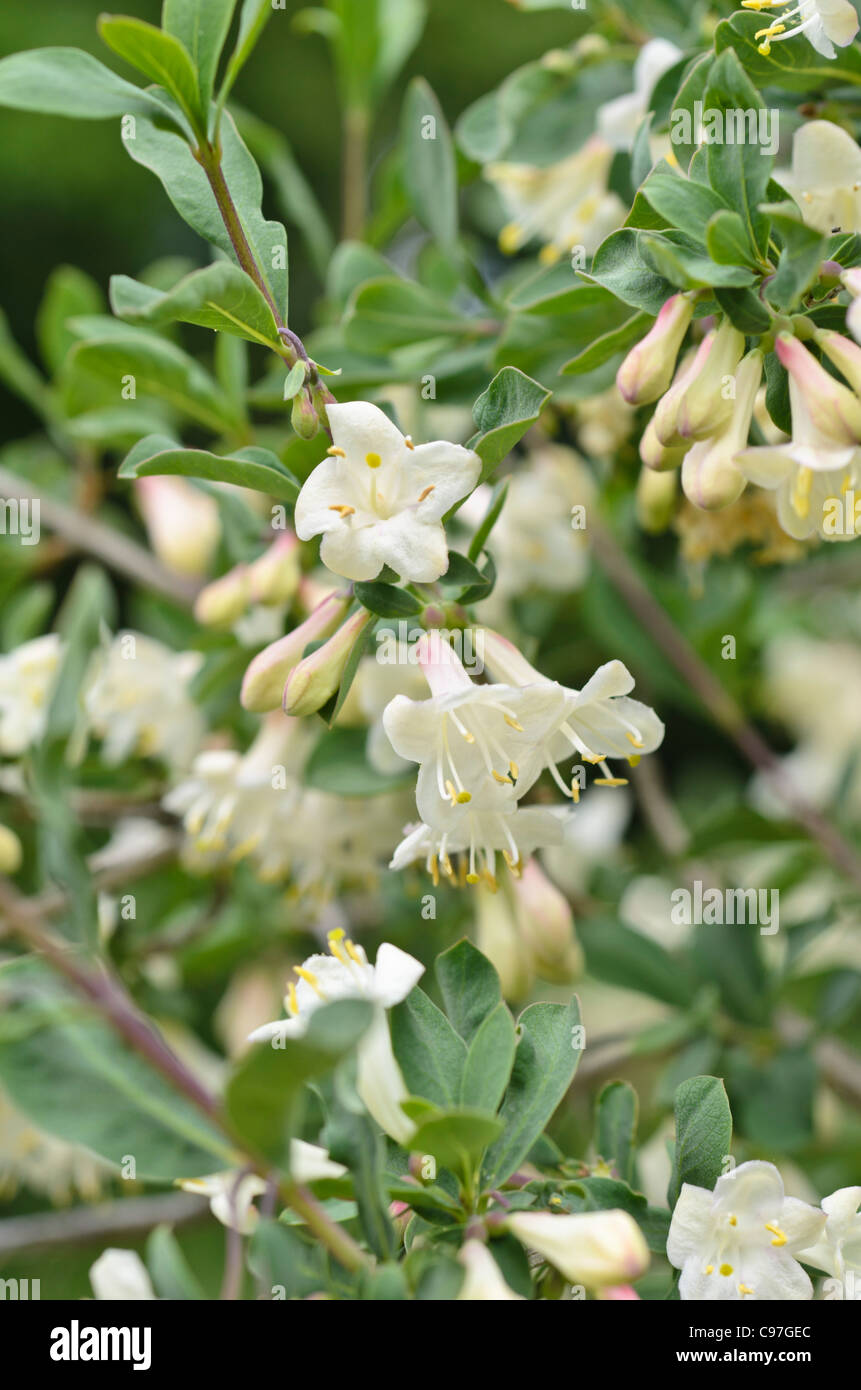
column 611, row 781
column 450, row 792
column 514, row 770
column 555, row 1200
column 463, row 798
column 292, row 1001
column 465, row 734
column 336, row 934
column 353, row 952
column 310, row 979
column 549, row 255
column 373, row 460
column 510, row 238
column 733, row 1220
column 846, row 484
column 434, row 870
column 515, row 865
column 744, row 1288
column 725, row 1270
column 336, row 453
column 512, row 723
column 447, row 867
column 335, row 938
column 499, row 777
column 779, row 1237
column 428, row 490
column 342, row 509
column 473, row 878
column 490, row 880
column 709, row 1269
column 634, row 760
column 632, row 738
column 408, row 440
column 801, row 491
column 575, row 790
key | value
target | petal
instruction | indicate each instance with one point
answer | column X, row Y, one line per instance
column 766, row 466
column 613, row 678
column 326, row 486
column 412, row 727
column 360, row 428
column 801, row 1223
column 395, row 974
column 354, row 552
column 773, row 1275
column 416, row 550
column 449, row 469
column 754, row 1188
column 380, row 1083
column 824, row 156
column 691, row 1226
column 121, row 1275
column 310, row 1163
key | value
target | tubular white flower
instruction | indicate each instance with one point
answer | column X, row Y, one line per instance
column 703, row 407
column 346, row 974
column 595, row 1248
column 484, row 1281
column 137, row 700
column 618, row 119
column 838, row 1250
column 825, row 177
column 478, row 836
column 824, row 23
column 564, row 205
column 27, row 677
column 121, row 1276
column 741, row 1240
column 378, row 499
column 264, row 680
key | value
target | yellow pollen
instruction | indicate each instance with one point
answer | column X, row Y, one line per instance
column 450, row 792
column 352, row 952
column 292, row 1001
column 310, row 979
column 632, row 738
column 434, row 871
column 463, row 798
column 710, row 1269
column 549, row 255
column 336, row 453
column 490, row 880
column 611, row 781
column 336, row 934
column 510, row 238
column 512, row 723
column 847, row 483
column 335, row 945
column 575, row 790
column 514, row 770
column 408, row 441
column 779, row 1237
column 427, row 492
column 373, row 460
column 801, row 491
column 342, row 509
column 594, row 761
column 634, row 760
column 473, row 878
column 446, row 867
column 514, row 864
column 744, row 1288
column 725, row 1270
column 498, row 777
column 465, row 734
column 733, row 1220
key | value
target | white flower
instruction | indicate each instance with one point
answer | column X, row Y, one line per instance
column 477, row 744
column 478, row 836
column 564, row 205
column 618, row 119
column 823, row 22
column 598, row 722
column 741, row 1240
column 231, row 1195
column 27, row 677
column 137, row 700
column 838, row 1250
column 376, row 685
column 594, row 1248
column 378, row 499
column 121, row 1275
column 484, row 1281
column 825, row 178
column 347, row 974
column 183, row 523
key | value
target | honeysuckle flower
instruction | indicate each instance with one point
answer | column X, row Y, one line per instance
column 316, row 678
column 656, row 499
column 705, row 404
column 378, row 499
column 265, row 678
column 594, row 1248
column 347, row 974
column 498, row 937
column 647, row 371
column 121, row 1275
column 838, row 1250
column 477, row 745
column 225, row 600
column 274, row 576
column 10, row 851
column 741, row 1240
column 710, row 476
column 822, row 457
column 598, row 722
column 231, row 1195
column 852, row 282
column 137, row 700
column 825, row 177
column 376, row 685
column 565, row 205
column 484, row 1281
column 27, row 678
column 824, row 23
column 618, row 119
column 182, row 523
column 547, row 925
column 477, row 836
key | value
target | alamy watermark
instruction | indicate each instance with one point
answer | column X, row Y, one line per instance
column 396, row 645
column 21, row 517
column 726, row 907
column 737, row 126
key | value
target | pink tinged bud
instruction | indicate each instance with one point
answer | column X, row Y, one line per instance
column 546, row 923
column 182, row 523
column 505, row 662
column 648, row 369
column 318, row 676
column 266, row 676
column 596, row 1249
column 708, row 402
column 660, row 458
column 225, row 600
column 656, row 500
column 275, row 575
column 710, row 476
column 666, row 417
column 441, row 666
column 834, row 409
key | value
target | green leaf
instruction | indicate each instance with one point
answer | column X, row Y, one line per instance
column 18, row 373
column 626, row 958
column 221, row 297
column 355, row 1141
column 252, row 20
column 388, row 313
column 726, row 239
column 470, row 987
column 619, row 266
column 503, row 414
column 804, row 249
column 430, row 172
column 264, row 1090
column 489, row 1061
column 168, row 157
column 739, row 172
column 429, row 1051
column 616, row 1130
column 456, row 1139
column 171, row 1274
column 201, row 27
column 158, row 368
column 684, row 203
column 280, row 1259
column 491, row 516
column 692, row 90
column 255, row 468
column 703, row 1134
column 69, row 292
column 609, row 344
column 796, row 66
column 387, row 600
column 157, row 55
column 546, row 1059
column 678, row 260
column 69, row 82
column 339, row 764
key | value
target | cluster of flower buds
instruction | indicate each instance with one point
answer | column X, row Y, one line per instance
column 272, row 579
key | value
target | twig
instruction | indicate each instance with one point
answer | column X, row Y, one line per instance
column 83, row 1225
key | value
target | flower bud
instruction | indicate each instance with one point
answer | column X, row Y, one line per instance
column 656, row 500
column 648, row 369
column 595, row 1249
column 182, row 523
column 660, row 458
column 484, row 1281
column 703, row 407
column 547, row 925
column 711, row 477
column 275, row 575
column 266, row 676
column 316, row 678
column 10, row 851
column 304, row 417
column 835, row 410
column 225, row 600
column 666, row 417
column 498, row 938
